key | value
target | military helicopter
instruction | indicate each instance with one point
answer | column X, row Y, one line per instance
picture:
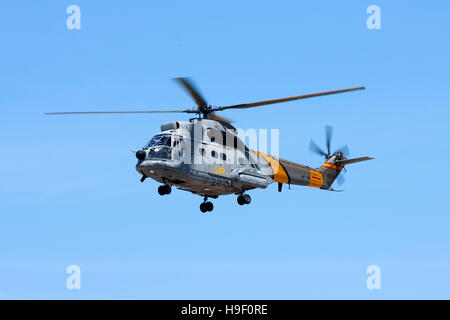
column 205, row 156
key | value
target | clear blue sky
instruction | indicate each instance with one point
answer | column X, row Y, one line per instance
column 70, row 194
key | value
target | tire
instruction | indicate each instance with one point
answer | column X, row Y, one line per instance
column 247, row 199
column 209, row 206
column 167, row 189
column 203, row 207
column 161, row 190
column 240, row 200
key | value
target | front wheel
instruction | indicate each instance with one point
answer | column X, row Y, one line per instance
column 164, row 189
column 203, row 207
column 167, row 189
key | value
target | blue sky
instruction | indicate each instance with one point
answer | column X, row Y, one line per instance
column 70, row 194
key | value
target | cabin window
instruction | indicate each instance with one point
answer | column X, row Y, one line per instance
column 224, row 138
column 213, row 154
column 224, row 156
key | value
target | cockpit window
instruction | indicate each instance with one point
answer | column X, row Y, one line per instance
column 159, row 147
column 162, row 140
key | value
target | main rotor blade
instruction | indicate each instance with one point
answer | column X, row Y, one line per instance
column 215, row 116
column 266, row 102
column 189, row 86
column 120, row 112
column 313, row 147
column 328, row 135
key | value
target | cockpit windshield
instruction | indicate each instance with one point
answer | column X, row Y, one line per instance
column 159, row 147
column 161, row 140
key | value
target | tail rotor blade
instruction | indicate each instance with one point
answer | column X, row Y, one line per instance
column 340, row 179
column 328, row 135
column 313, row 147
column 345, row 150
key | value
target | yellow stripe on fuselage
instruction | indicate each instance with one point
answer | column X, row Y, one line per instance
column 316, row 179
column 279, row 174
column 332, row 166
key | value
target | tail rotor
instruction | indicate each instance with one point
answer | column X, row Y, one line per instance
column 339, row 153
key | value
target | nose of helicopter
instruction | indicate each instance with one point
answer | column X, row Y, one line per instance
column 150, row 164
column 143, row 167
column 145, row 164
column 157, row 164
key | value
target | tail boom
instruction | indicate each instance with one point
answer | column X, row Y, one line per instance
column 288, row 172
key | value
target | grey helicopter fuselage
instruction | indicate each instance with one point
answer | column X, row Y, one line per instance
column 196, row 157
column 207, row 158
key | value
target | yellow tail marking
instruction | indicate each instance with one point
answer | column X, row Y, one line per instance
column 279, row 174
column 316, row 179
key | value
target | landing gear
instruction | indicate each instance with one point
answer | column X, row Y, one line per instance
column 244, row 199
column 165, row 189
column 206, row 206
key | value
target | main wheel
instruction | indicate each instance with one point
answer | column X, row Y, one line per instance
column 161, row 190
column 203, row 207
column 240, row 200
column 167, row 189
column 209, row 206
column 247, row 199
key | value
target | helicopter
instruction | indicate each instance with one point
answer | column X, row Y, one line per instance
column 206, row 157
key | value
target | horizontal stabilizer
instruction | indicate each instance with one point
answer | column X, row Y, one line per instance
column 354, row 160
